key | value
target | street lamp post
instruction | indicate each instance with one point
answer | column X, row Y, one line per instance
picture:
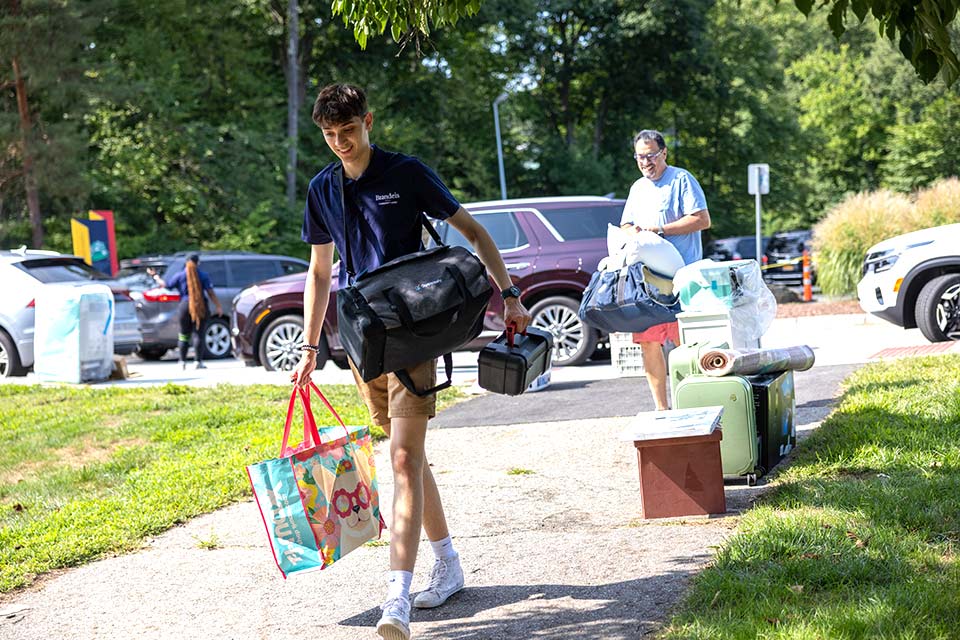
column 496, row 123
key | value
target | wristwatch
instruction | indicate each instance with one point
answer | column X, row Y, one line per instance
column 660, row 231
column 511, row 292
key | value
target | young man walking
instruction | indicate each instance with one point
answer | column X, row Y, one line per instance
column 666, row 200
column 384, row 194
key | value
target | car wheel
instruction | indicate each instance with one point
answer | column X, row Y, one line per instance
column 216, row 339
column 152, row 353
column 938, row 308
column 9, row 358
column 573, row 341
column 280, row 344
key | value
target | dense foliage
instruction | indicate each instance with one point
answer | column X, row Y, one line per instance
column 174, row 114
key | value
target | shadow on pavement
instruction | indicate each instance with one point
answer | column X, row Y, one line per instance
column 587, row 612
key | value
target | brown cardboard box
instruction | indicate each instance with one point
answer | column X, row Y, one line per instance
column 681, row 476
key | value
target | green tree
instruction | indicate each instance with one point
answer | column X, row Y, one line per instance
column 42, row 92
column 925, row 148
column 921, row 25
column 846, row 121
column 187, row 128
column 735, row 114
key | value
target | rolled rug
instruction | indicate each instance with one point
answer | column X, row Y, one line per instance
column 725, row 362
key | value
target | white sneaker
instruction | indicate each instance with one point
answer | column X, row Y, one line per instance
column 395, row 622
column 446, row 578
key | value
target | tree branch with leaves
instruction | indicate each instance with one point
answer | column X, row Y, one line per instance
column 920, row 25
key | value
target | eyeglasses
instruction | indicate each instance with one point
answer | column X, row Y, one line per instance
column 647, row 156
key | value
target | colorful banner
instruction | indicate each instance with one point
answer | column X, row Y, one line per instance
column 94, row 241
column 107, row 216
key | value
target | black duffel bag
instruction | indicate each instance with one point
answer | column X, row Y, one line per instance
column 412, row 309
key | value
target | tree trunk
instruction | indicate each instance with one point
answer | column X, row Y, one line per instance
column 29, row 180
column 293, row 99
column 598, row 126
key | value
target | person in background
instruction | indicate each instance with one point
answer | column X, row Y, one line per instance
column 668, row 201
column 192, row 284
column 384, row 196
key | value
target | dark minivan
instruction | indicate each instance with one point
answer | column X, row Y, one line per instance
column 230, row 271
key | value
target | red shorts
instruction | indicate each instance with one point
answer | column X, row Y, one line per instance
column 659, row 333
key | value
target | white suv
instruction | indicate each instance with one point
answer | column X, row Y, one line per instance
column 913, row 280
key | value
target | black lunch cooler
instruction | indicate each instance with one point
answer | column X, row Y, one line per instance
column 511, row 363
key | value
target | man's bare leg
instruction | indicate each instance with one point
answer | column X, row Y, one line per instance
column 408, row 459
column 655, row 367
column 434, row 519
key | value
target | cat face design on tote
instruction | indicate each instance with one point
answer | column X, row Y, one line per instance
column 351, row 501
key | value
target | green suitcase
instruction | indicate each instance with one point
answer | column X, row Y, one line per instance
column 684, row 361
column 740, row 446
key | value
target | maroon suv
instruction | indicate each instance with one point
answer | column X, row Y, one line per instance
column 551, row 246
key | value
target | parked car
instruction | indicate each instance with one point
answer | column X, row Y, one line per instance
column 551, row 247
column 735, row 248
column 783, row 257
column 913, row 280
column 230, row 271
column 22, row 274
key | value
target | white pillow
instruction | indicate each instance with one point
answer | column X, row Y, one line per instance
column 629, row 247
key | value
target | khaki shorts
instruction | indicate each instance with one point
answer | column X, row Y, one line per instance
column 386, row 397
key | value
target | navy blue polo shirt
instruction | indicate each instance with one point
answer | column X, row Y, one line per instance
column 383, row 209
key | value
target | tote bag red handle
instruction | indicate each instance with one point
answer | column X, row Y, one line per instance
column 306, row 394
column 311, row 437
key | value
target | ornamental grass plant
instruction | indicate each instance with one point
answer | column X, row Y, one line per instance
column 937, row 205
column 842, row 238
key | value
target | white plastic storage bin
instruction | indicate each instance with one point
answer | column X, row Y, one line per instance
column 625, row 356
column 714, row 326
column 73, row 340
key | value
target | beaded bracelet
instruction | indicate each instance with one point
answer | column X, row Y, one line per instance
column 310, row 347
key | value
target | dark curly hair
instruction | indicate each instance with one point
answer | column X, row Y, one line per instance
column 339, row 103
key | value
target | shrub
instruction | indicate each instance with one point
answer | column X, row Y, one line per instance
column 842, row 238
column 937, row 205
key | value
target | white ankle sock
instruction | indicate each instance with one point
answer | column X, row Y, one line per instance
column 398, row 584
column 443, row 549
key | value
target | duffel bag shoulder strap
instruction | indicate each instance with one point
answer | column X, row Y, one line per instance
column 407, row 381
column 351, row 274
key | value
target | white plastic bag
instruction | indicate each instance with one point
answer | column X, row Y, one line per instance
column 628, row 247
column 734, row 286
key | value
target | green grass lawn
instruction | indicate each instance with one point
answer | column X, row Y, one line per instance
column 859, row 539
column 86, row 472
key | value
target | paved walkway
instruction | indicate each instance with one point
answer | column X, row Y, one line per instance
column 545, row 516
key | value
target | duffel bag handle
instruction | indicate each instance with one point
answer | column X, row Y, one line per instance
column 407, row 381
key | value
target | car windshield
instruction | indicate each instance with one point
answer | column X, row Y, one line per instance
column 580, row 223
column 136, row 278
column 60, row 270
column 747, row 247
column 786, row 244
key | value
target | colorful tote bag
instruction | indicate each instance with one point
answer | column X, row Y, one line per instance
column 319, row 500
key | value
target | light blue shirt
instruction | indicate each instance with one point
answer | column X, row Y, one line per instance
column 653, row 203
